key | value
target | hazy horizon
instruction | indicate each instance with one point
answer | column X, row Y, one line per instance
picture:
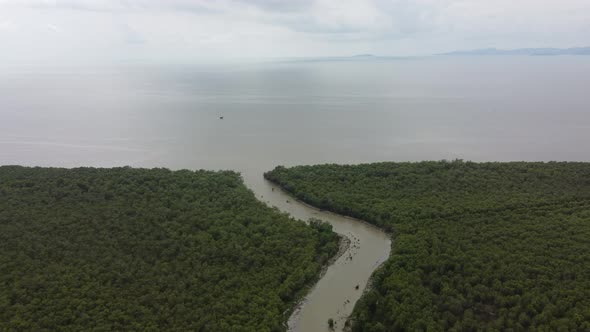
column 198, row 31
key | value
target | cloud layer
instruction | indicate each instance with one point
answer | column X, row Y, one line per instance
column 186, row 30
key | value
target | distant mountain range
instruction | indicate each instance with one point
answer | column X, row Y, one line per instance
column 480, row 52
column 525, row 51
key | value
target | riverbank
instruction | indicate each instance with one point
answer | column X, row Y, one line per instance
column 343, row 246
column 345, row 280
column 118, row 238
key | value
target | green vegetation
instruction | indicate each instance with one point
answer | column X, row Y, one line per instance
column 148, row 250
column 477, row 246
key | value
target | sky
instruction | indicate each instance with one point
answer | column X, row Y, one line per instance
column 205, row 30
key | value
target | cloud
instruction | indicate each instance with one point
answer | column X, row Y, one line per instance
column 53, row 27
column 115, row 5
column 191, row 29
column 7, row 25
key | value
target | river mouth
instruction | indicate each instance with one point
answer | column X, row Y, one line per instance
column 336, row 293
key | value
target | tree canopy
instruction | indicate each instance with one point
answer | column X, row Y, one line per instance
column 477, row 246
column 148, row 250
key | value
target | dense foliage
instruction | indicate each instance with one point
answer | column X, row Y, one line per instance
column 477, row 246
column 148, row 250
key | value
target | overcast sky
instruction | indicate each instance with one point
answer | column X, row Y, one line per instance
column 194, row 30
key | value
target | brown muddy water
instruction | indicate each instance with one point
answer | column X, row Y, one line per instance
column 290, row 113
column 336, row 293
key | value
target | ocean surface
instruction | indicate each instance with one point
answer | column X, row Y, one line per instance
column 287, row 113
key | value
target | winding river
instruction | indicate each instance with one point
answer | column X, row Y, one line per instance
column 336, row 293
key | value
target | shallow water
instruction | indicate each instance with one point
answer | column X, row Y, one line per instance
column 487, row 108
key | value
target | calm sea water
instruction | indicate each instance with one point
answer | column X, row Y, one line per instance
column 486, row 108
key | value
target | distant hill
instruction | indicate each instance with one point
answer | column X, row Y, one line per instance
column 525, row 51
column 479, row 52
